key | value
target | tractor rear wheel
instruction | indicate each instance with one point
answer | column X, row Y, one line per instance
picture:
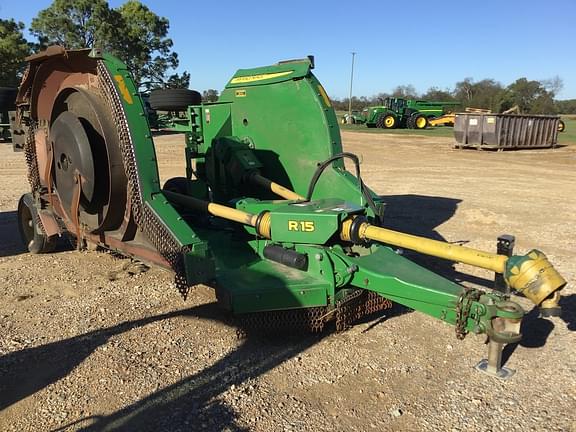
column 386, row 121
column 420, row 121
column 174, row 99
column 561, row 126
column 410, row 122
column 29, row 226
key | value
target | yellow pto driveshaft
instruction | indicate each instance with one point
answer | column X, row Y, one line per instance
column 531, row 274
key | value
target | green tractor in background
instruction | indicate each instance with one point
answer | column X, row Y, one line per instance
column 404, row 113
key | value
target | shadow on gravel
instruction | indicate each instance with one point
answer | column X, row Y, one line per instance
column 536, row 330
column 24, row 372
column 191, row 404
column 421, row 215
column 10, row 243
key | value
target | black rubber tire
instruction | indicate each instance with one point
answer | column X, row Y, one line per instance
column 174, row 99
column 561, row 126
column 28, row 225
column 419, row 121
column 386, row 121
column 390, row 122
column 410, row 122
column 8, row 98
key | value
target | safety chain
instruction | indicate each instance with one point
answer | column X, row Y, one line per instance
column 463, row 310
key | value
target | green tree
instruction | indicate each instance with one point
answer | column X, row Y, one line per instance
column 486, row 94
column 435, row 94
column 77, row 24
column 210, row 95
column 530, row 96
column 178, row 81
column 13, row 49
column 131, row 32
column 566, row 106
column 145, row 47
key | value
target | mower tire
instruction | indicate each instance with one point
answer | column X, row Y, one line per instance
column 31, row 232
column 174, row 99
column 8, row 98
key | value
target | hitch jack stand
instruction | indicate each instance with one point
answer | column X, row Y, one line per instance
column 493, row 364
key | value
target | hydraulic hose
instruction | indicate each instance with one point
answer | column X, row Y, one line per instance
column 275, row 187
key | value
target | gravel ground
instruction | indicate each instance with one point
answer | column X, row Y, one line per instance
column 92, row 342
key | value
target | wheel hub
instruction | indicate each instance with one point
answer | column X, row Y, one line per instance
column 85, row 147
column 72, row 157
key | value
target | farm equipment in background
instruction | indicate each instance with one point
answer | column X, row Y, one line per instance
column 7, row 107
column 448, row 119
column 505, row 131
column 404, row 113
column 355, row 117
column 266, row 213
column 166, row 108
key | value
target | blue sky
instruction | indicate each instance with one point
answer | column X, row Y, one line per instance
column 423, row 43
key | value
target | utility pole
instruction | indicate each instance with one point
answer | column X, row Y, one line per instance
column 351, row 81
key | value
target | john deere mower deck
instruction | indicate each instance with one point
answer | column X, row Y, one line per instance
column 267, row 213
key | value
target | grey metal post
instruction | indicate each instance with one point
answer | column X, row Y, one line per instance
column 351, row 80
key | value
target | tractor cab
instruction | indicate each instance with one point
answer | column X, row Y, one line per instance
column 395, row 104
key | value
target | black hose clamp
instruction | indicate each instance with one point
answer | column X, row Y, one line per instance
column 357, row 222
column 259, row 220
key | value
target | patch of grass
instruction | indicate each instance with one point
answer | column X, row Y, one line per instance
column 441, row 131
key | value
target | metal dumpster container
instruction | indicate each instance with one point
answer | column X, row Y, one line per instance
column 505, row 131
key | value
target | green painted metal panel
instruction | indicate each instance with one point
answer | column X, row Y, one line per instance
column 310, row 222
column 404, row 282
column 198, row 263
column 247, row 282
column 292, row 127
column 270, row 74
column 267, row 285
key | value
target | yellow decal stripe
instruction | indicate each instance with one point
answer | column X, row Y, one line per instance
column 260, row 77
column 324, row 95
column 123, row 89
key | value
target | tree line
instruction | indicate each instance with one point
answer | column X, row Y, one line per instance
column 131, row 32
column 531, row 97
